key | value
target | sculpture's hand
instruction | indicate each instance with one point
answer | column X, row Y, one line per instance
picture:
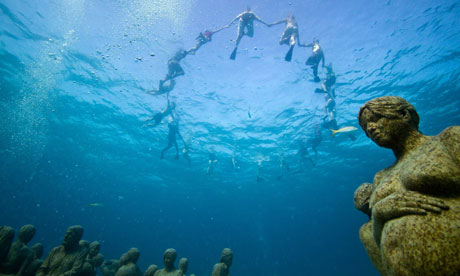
column 403, row 204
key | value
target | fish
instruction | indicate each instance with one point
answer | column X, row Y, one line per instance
column 343, row 130
column 96, row 204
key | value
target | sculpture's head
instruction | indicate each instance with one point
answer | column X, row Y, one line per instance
column 94, row 248
column 26, row 233
column 133, row 254
column 72, row 236
column 183, row 265
column 227, row 257
column 98, row 260
column 151, row 270
column 169, row 257
column 388, row 119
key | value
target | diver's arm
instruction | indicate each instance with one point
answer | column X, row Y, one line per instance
column 278, row 22
column 260, row 20
column 233, row 21
column 299, row 44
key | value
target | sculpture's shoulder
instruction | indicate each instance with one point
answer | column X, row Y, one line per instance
column 450, row 137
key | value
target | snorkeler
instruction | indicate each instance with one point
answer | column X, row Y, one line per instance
column 164, row 88
column 316, row 140
column 174, row 68
column 303, row 155
column 157, row 118
column 284, row 167
column 203, row 38
column 246, row 22
column 316, row 57
column 327, row 86
column 290, row 35
column 172, row 140
column 211, row 162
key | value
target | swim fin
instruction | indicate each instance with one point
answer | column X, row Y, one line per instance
column 233, row 55
column 318, row 90
column 288, row 56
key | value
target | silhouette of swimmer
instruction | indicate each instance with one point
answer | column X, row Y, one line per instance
column 158, row 117
column 316, row 57
column 165, row 86
column 203, row 38
column 245, row 27
column 211, row 162
column 174, row 68
column 327, row 86
column 316, row 140
column 290, row 35
column 172, row 140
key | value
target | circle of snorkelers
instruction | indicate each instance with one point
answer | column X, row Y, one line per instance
column 290, row 37
column 75, row 256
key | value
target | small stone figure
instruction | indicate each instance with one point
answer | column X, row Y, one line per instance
column 183, row 265
column 151, row 270
column 6, row 238
column 110, row 267
column 128, row 266
column 226, row 260
column 169, row 258
column 66, row 259
column 93, row 260
column 415, row 203
column 19, row 252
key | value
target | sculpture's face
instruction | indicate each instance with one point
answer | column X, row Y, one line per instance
column 169, row 260
column 71, row 238
column 384, row 131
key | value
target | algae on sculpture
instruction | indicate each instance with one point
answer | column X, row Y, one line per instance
column 414, row 205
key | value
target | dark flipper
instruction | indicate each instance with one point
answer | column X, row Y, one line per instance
column 288, row 56
column 233, row 55
column 318, row 90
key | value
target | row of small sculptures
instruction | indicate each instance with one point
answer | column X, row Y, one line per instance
column 76, row 257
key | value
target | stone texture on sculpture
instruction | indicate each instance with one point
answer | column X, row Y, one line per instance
column 169, row 258
column 128, row 264
column 66, row 259
column 6, row 238
column 415, row 203
column 151, row 270
column 110, row 267
column 31, row 265
column 183, row 265
column 223, row 267
column 19, row 252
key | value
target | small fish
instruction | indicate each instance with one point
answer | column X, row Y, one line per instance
column 343, row 130
column 96, row 204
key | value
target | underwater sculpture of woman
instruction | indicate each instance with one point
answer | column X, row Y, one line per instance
column 414, row 205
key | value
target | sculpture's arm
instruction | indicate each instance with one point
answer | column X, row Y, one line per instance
column 401, row 204
column 78, row 263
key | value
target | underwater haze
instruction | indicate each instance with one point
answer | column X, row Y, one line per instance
column 74, row 148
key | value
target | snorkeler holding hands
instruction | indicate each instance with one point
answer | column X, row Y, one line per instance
column 157, row 118
column 246, row 22
column 316, row 57
column 203, row 38
column 172, row 140
column 290, row 35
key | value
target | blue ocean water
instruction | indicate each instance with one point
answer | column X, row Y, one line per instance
column 73, row 75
